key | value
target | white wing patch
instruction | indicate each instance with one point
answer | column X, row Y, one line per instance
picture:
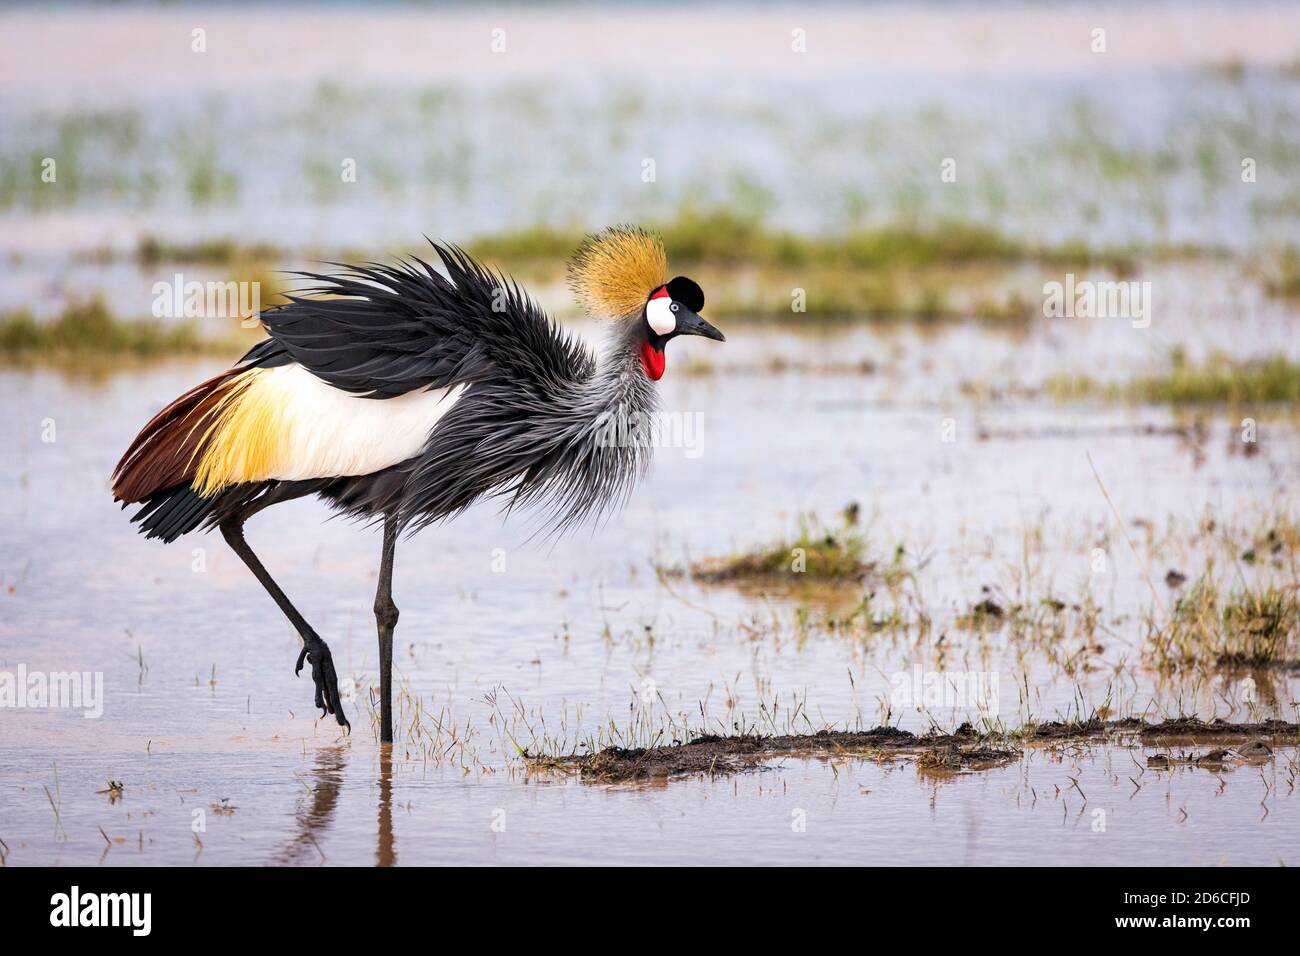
column 328, row 432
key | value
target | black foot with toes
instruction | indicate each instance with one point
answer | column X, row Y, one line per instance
column 327, row 682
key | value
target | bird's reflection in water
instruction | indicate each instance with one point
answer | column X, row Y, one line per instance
column 314, row 815
column 385, row 853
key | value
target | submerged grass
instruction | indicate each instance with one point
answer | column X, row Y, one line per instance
column 816, row 554
column 1250, row 626
column 830, row 294
column 1259, row 626
column 1252, row 618
column 1283, row 280
column 152, row 251
column 1221, row 381
column 90, row 328
column 722, row 237
column 1274, row 379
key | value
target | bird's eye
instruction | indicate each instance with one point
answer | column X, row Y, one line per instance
column 674, row 306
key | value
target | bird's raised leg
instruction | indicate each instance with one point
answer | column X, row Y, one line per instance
column 386, row 620
column 313, row 648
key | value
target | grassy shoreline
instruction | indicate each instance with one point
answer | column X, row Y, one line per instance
column 1219, row 381
column 715, row 237
column 89, row 329
column 899, row 273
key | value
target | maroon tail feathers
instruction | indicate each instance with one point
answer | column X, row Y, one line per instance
column 160, row 464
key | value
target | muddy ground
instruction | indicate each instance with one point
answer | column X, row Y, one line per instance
column 966, row 749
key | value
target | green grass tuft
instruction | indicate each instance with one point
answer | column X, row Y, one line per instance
column 720, row 237
column 152, row 251
column 815, row 555
column 1283, row 280
column 89, row 328
column 1254, row 626
column 1220, row 381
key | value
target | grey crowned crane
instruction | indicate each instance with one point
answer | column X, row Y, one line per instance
column 401, row 395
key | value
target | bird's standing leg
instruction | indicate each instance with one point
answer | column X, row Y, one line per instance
column 386, row 620
column 313, row 648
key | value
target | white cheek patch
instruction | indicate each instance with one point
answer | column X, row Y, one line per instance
column 659, row 313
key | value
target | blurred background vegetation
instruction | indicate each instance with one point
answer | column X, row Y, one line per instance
column 803, row 188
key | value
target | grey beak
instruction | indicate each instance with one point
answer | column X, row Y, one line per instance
column 688, row 323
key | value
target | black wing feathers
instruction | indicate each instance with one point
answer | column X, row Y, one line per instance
column 384, row 330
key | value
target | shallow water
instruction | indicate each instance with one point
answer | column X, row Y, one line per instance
column 337, row 805
column 578, row 634
column 508, row 643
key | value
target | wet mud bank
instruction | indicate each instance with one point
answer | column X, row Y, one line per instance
column 964, row 750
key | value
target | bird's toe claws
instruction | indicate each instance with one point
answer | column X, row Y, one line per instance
column 326, row 681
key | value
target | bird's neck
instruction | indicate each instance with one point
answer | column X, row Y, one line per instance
column 620, row 382
column 591, row 445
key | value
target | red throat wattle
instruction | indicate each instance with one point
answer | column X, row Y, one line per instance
column 653, row 361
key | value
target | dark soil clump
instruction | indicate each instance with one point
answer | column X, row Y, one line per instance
column 712, row 754
column 1192, row 729
column 963, row 750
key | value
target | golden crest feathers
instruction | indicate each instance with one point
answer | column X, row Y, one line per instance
column 615, row 270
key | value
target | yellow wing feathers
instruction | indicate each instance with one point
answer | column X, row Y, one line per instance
column 285, row 424
column 244, row 438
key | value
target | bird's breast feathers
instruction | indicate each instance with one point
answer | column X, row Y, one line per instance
column 286, row 424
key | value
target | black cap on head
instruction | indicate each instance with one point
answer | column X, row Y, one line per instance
column 687, row 292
